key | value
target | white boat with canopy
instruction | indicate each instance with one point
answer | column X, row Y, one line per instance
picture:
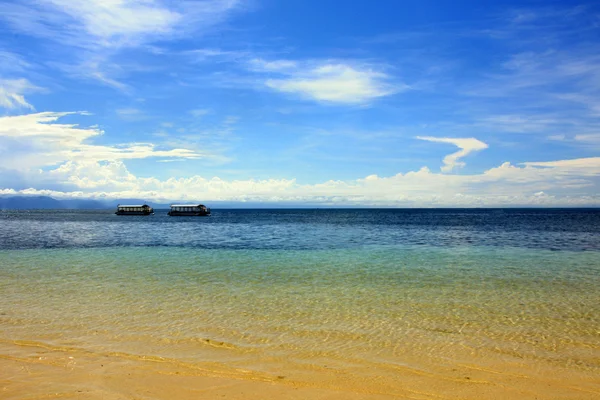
column 141, row 209
column 189, row 210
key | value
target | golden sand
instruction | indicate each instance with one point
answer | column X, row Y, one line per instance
column 118, row 324
column 32, row 370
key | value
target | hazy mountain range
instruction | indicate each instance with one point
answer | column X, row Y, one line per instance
column 47, row 202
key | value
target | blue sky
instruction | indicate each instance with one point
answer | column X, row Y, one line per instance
column 387, row 103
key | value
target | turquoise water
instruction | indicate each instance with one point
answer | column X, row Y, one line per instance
column 367, row 303
column 327, row 303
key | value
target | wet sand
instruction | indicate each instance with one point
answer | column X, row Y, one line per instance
column 31, row 370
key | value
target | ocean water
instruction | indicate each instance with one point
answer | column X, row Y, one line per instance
column 345, row 294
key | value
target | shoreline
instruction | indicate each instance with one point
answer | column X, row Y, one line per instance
column 34, row 370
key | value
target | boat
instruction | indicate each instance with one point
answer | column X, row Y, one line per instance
column 143, row 209
column 189, row 210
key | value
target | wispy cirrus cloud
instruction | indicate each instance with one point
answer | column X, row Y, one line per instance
column 583, row 166
column 557, row 62
column 100, row 29
column 120, row 23
column 97, row 67
column 261, row 65
column 12, row 93
column 199, row 135
column 215, row 55
column 565, row 74
column 523, row 123
column 12, row 62
column 545, row 81
column 131, row 114
column 591, row 138
column 466, row 145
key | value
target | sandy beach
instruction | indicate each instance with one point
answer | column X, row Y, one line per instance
column 35, row 371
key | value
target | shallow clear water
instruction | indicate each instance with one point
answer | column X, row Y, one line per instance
column 327, row 287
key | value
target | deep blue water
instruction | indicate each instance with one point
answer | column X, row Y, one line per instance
column 306, row 229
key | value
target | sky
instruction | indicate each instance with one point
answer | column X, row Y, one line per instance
column 351, row 103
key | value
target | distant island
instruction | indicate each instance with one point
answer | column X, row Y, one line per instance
column 47, row 202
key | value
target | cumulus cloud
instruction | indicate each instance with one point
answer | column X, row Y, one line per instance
column 109, row 175
column 330, row 83
column 466, row 146
column 37, row 140
column 73, row 166
column 556, row 183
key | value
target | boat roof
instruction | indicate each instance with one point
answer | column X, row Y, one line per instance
column 186, row 205
column 134, row 205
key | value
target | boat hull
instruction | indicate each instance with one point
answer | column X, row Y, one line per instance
column 134, row 212
column 188, row 214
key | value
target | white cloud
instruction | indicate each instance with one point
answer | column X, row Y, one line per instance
column 562, row 182
column 95, row 31
column 583, row 166
column 113, row 23
column 92, row 174
column 12, row 93
column 555, row 175
column 326, row 81
column 331, row 83
column 259, row 64
column 119, row 21
column 466, row 146
column 36, row 140
column 593, row 138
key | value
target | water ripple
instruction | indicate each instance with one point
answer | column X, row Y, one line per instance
column 576, row 230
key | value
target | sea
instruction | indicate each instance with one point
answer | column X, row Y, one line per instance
column 415, row 303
